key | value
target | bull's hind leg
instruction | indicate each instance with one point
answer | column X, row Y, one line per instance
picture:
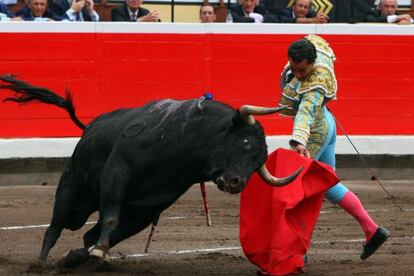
column 77, row 257
column 63, row 204
column 71, row 210
column 114, row 181
column 49, row 240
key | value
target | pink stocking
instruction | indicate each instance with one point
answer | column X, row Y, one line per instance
column 351, row 203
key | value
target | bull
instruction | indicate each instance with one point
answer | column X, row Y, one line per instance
column 133, row 163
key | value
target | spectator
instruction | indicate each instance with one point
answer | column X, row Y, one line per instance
column 6, row 15
column 74, row 10
column 35, row 10
column 249, row 11
column 207, row 14
column 132, row 11
column 301, row 12
column 387, row 13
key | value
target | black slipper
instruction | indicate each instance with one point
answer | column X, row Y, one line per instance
column 380, row 236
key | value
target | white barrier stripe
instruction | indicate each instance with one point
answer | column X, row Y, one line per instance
column 63, row 147
column 23, row 227
column 199, row 28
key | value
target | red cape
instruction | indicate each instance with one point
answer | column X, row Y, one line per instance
column 276, row 223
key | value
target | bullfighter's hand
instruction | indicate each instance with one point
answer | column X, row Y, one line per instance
column 302, row 150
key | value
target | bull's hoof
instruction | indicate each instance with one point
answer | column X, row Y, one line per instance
column 100, row 254
column 39, row 267
column 74, row 258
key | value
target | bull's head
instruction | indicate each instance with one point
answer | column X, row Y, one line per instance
column 248, row 144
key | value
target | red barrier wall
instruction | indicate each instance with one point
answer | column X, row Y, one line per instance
column 106, row 71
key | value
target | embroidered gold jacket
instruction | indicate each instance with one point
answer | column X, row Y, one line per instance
column 307, row 99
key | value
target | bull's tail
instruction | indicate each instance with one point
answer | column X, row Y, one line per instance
column 26, row 93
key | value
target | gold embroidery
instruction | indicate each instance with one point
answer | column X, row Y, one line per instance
column 311, row 95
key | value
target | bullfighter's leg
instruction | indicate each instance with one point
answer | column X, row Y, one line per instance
column 114, row 181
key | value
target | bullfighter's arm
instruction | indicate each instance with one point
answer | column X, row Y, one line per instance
column 305, row 117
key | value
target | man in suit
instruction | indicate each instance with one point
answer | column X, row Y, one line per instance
column 74, row 10
column 131, row 11
column 302, row 13
column 249, row 11
column 387, row 13
column 35, row 10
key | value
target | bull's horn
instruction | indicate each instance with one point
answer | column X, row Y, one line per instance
column 247, row 112
column 273, row 181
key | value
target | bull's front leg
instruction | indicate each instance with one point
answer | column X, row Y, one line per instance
column 114, row 182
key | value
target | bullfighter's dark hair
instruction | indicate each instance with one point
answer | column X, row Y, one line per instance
column 302, row 49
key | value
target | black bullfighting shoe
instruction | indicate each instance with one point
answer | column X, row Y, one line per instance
column 380, row 236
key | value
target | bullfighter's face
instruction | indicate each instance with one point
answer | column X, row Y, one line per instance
column 301, row 69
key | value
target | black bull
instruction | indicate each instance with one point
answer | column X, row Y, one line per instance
column 132, row 164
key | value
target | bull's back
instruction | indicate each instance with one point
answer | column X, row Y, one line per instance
column 167, row 122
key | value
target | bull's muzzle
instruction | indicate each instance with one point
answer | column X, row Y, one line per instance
column 233, row 185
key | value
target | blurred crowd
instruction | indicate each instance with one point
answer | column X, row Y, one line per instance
column 245, row 11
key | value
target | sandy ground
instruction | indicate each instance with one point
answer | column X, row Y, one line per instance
column 184, row 245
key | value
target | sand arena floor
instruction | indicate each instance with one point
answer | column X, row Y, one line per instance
column 184, row 245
